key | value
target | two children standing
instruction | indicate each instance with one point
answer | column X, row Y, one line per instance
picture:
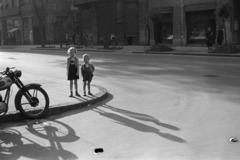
column 87, row 70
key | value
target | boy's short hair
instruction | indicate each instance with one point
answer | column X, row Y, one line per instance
column 70, row 49
column 86, row 55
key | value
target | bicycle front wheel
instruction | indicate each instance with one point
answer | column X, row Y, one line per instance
column 33, row 102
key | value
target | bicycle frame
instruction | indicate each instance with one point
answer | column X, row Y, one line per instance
column 21, row 86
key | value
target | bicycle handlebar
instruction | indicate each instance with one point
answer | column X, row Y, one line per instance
column 8, row 69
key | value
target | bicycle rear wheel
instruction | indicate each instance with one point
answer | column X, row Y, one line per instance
column 33, row 102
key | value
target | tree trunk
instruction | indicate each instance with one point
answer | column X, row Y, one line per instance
column 42, row 36
column 106, row 37
column 41, row 22
column 225, row 32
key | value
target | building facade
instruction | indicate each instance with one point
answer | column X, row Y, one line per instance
column 10, row 22
column 184, row 22
column 20, row 25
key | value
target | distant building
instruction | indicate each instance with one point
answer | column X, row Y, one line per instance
column 10, row 22
column 17, row 18
column 184, row 21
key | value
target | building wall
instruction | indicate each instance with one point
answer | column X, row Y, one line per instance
column 182, row 8
column 10, row 18
column 127, row 19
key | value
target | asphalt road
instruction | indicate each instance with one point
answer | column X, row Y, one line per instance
column 159, row 107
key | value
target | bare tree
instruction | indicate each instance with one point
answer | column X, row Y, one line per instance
column 46, row 11
column 224, row 13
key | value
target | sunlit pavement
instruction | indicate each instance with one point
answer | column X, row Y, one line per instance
column 158, row 107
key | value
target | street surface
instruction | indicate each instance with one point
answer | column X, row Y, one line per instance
column 160, row 107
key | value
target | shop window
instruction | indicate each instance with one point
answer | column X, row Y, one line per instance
column 197, row 24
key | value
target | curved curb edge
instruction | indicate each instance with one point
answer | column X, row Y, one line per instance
column 61, row 108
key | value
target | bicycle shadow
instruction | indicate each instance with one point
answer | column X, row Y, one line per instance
column 12, row 145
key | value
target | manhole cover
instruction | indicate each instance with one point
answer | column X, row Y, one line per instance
column 210, row 75
column 98, row 150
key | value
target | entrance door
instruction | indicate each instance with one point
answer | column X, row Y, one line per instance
column 163, row 31
column 158, row 33
column 37, row 35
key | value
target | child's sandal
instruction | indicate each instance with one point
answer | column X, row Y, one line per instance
column 89, row 93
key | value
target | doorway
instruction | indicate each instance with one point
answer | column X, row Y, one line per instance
column 163, row 31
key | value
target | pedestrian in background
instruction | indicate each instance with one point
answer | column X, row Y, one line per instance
column 73, row 70
column 67, row 38
column 87, row 70
column 86, row 38
column 90, row 40
column 209, row 39
column 77, row 40
column 220, row 36
column 113, row 40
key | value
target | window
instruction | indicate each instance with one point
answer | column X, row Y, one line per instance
column 16, row 23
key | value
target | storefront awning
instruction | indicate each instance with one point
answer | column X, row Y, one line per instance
column 13, row 30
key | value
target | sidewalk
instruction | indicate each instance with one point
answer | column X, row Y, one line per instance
column 60, row 102
column 178, row 50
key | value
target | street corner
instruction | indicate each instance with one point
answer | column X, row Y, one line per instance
column 76, row 102
column 67, row 104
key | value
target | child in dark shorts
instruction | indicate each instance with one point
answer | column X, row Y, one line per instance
column 73, row 70
column 87, row 70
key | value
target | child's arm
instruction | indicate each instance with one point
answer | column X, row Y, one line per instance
column 93, row 68
column 82, row 70
column 77, row 65
column 67, row 65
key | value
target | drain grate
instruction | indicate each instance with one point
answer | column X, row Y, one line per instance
column 210, row 75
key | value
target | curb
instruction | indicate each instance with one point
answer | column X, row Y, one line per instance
column 60, row 108
column 65, row 49
column 193, row 54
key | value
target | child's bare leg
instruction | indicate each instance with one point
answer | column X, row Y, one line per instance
column 71, row 87
column 89, row 88
column 84, row 88
column 76, row 87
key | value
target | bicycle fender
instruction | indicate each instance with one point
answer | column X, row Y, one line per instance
column 21, row 90
column 33, row 84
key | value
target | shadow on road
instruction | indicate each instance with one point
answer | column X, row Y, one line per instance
column 12, row 145
column 134, row 124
